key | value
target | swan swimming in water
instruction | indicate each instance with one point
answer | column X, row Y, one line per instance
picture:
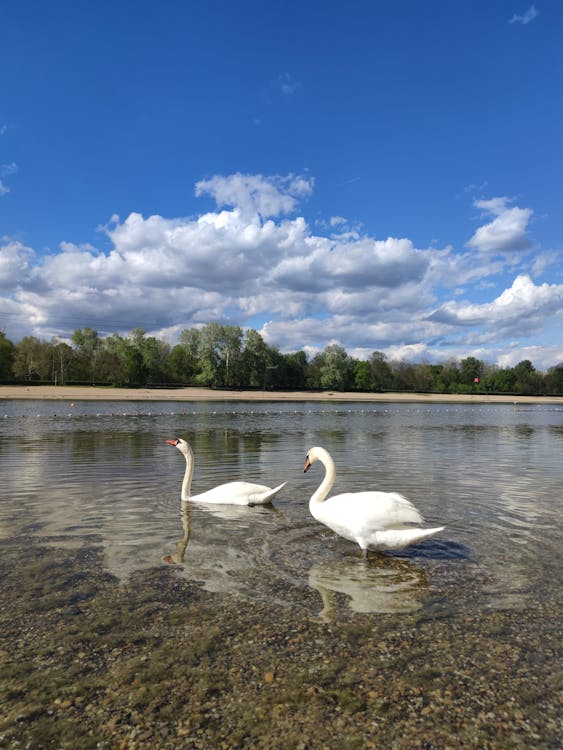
column 231, row 493
column 374, row 520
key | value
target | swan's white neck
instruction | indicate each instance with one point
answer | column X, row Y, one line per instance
column 188, row 474
column 329, row 477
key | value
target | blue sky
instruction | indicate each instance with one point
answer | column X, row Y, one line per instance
column 381, row 175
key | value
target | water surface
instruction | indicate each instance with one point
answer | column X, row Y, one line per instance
column 101, row 473
column 127, row 620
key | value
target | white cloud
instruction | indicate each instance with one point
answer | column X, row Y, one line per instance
column 238, row 266
column 15, row 263
column 521, row 309
column 336, row 221
column 256, row 194
column 507, row 232
column 525, row 17
column 542, row 357
column 546, row 260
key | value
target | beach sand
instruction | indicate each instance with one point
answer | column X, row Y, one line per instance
column 100, row 393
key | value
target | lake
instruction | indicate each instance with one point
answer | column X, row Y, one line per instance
column 93, row 488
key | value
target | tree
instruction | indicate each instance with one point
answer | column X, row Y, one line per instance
column 29, row 360
column 219, row 354
column 403, row 376
column 554, row 380
column 154, row 355
column 62, row 356
column 501, row 381
column 528, row 381
column 112, row 362
column 87, row 343
column 470, row 368
column 337, row 368
column 256, row 360
column 363, row 376
column 381, row 371
column 7, row 355
column 180, row 366
column 294, row 370
column 314, row 372
column 184, row 363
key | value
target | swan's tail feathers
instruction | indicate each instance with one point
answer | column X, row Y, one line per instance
column 420, row 535
column 435, row 530
column 399, row 538
column 268, row 495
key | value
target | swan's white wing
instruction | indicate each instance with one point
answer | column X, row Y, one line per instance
column 353, row 514
column 239, row 493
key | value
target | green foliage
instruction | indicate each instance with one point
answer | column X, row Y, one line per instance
column 336, row 369
column 31, row 359
column 7, row 354
column 554, row 380
column 87, row 345
column 222, row 356
column 294, row 370
column 363, row 376
column 256, row 361
column 381, row 371
column 470, row 369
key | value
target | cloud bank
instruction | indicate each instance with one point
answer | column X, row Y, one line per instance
column 254, row 261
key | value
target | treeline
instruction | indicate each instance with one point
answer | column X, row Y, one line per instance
column 222, row 356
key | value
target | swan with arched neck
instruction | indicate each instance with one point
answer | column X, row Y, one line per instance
column 231, row 493
column 374, row 520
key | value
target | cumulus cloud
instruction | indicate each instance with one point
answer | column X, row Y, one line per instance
column 256, row 194
column 254, row 258
column 15, row 264
column 526, row 17
column 522, row 309
column 507, row 232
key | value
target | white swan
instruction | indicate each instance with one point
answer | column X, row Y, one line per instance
column 232, row 493
column 375, row 520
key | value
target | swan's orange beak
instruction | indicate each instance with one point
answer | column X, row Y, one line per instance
column 307, row 465
column 172, row 442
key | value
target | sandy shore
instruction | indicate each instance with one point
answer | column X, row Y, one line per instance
column 94, row 393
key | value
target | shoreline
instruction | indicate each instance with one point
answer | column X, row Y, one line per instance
column 102, row 393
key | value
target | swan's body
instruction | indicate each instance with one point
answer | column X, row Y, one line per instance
column 374, row 520
column 231, row 493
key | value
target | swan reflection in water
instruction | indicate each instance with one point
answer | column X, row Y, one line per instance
column 242, row 515
column 178, row 557
column 384, row 585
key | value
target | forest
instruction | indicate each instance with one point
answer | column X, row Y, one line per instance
column 226, row 357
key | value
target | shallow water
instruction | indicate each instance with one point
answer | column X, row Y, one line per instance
column 101, row 474
column 127, row 621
